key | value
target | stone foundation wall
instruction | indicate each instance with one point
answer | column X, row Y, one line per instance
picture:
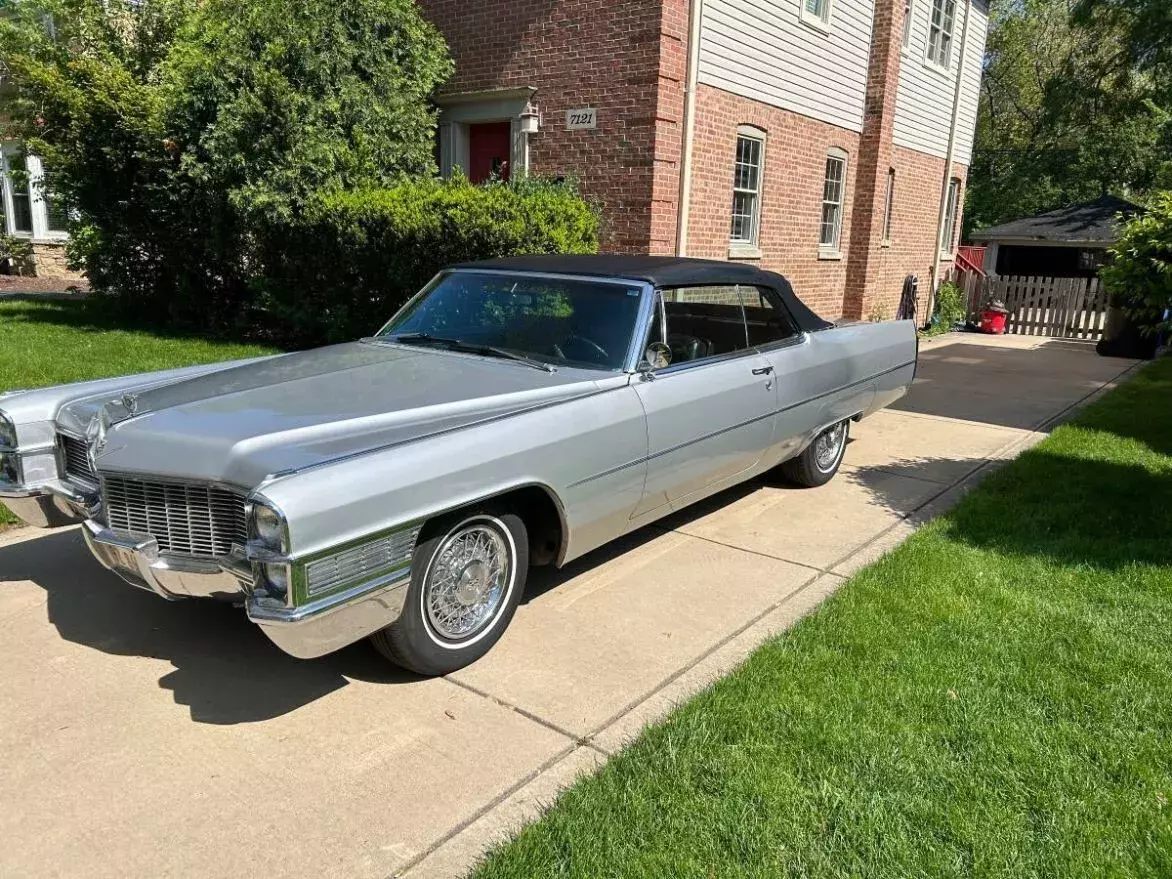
column 49, row 262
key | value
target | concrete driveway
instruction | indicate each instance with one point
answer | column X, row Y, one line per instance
column 142, row 738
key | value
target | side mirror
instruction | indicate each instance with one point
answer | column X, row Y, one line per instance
column 656, row 356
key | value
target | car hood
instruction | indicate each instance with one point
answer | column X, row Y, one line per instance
column 244, row 423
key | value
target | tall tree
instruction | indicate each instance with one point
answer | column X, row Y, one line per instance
column 1147, row 25
column 177, row 128
column 1065, row 114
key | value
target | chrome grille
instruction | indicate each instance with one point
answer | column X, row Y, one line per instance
column 189, row 519
column 77, row 461
column 360, row 562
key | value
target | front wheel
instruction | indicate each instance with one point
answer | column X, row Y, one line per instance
column 821, row 459
column 467, row 576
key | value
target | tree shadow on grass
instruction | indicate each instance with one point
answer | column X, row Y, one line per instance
column 1140, row 409
column 97, row 313
column 1074, row 511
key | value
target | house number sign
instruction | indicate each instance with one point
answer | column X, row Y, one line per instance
column 577, row 120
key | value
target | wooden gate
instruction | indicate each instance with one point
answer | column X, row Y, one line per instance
column 1068, row 308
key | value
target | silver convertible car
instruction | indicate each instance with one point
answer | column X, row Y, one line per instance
column 515, row 412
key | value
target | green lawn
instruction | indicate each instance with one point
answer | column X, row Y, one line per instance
column 50, row 342
column 992, row 699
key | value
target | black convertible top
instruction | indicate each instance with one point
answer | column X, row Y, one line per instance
column 661, row 271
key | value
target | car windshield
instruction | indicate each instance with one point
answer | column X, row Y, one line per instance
column 571, row 322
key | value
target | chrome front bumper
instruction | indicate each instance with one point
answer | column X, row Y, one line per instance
column 49, row 505
column 307, row 632
column 137, row 560
column 335, row 621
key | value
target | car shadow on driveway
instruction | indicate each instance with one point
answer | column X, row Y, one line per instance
column 225, row 670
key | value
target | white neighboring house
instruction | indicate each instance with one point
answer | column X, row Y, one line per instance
column 28, row 210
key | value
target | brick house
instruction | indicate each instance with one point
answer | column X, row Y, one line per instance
column 808, row 136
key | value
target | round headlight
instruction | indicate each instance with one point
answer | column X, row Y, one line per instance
column 277, row 579
column 267, row 526
column 7, row 433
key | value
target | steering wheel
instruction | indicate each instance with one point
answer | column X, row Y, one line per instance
column 592, row 351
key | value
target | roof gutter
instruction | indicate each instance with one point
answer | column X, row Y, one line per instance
column 695, row 17
column 1044, row 242
column 949, row 156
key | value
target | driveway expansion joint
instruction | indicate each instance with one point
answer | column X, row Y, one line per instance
column 743, row 549
column 509, row 706
column 476, row 815
column 679, row 673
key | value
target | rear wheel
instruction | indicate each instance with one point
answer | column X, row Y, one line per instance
column 821, row 459
column 468, row 574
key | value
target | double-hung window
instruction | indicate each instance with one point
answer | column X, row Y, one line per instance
column 833, row 193
column 18, row 205
column 940, row 28
column 29, row 207
column 56, row 213
column 816, row 13
column 747, row 181
column 950, row 211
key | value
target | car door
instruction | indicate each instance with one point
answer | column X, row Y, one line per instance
column 816, row 386
column 709, row 410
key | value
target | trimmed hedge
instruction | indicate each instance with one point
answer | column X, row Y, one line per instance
column 353, row 258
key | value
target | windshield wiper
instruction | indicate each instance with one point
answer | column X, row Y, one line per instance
column 471, row 348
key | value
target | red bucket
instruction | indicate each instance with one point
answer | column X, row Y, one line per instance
column 993, row 321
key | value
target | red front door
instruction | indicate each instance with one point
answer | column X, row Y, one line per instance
column 488, row 151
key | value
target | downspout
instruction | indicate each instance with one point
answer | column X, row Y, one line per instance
column 964, row 37
column 695, row 16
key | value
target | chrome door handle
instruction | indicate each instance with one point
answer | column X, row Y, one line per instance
column 764, row 370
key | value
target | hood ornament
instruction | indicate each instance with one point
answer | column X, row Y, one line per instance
column 130, row 403
column 95, row 438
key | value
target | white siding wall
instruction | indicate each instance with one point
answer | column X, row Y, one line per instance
column 923, row 105
column 761, row 49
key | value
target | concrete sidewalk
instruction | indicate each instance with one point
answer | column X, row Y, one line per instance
column 146, row 738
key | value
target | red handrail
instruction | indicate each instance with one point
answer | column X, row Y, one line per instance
column 971, row 258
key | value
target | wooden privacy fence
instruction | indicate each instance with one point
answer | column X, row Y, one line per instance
column 1068, row 308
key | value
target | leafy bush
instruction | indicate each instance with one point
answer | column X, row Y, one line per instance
column 1140, row 273
column 16, row 252
column 950, row 308
column 353, row 258
column 174, row 128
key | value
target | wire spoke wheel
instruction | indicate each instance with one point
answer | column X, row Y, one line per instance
column 828, row 447
column 467, row 581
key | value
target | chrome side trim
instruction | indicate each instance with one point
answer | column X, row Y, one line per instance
column 740, row 424
column 648, row 304
column 853, row 384
column 685, row 365
column 801, row 337
column 374, row 558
